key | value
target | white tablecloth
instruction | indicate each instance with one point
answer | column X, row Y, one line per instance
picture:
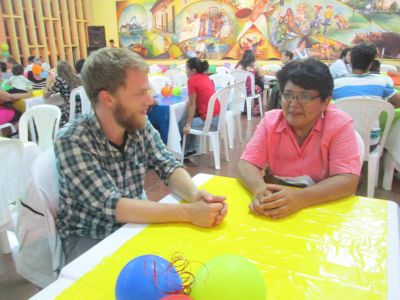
column 176, row 112
column 55, row 99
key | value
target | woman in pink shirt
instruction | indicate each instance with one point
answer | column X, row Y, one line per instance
column 308, row 143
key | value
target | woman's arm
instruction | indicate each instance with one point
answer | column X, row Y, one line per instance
column 285, row 201
column 191, row 112
column 7, row 97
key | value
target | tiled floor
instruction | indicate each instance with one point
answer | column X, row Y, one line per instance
column 12, row 286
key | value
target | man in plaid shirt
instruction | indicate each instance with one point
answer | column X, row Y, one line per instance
column 102, row 159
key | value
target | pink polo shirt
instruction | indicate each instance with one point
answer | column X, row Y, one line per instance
column 329, row 149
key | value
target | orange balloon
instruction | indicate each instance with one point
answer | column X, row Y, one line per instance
column 166, row 91
column 36, row 69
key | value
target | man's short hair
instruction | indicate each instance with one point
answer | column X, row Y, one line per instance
column 3, row 67
column 31, row 59
column 105, row 69
column 362, row 56
column 310, row 74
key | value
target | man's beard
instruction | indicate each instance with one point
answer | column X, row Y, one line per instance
column 129, row 122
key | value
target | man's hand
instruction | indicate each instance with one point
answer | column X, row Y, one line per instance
column 211, row 199
column 281, row 202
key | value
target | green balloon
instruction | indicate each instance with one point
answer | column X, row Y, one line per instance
column 6, row 54
column 4, row 47
column 212, row 69
column 5, row 87
column 176, row 91
column 229, row 277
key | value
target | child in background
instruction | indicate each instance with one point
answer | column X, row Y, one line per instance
column 18, row 82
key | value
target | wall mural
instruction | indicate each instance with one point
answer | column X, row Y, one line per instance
column 178, row 29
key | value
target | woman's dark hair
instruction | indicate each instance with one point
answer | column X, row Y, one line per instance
column 288, row 54
column 362, row 56
column 310, row 74
column 3, row 67
column 375, row 67
column 31, row 59
column 79, row 65
column 344, row 52
column 247, row 60
column 197, row 64
column 17, row 70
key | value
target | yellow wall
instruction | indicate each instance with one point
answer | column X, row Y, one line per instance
column 103, row 13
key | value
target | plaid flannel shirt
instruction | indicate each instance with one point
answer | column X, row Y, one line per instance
column 94, row 175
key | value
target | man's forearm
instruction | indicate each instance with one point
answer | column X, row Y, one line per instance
column 182, row 184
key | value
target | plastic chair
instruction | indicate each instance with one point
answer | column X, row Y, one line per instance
column 154, row 69
column 11, row 154
column 392, row 156
column 361, row 146
column 85, row 102
column 43, row 119
column 365, row 113
column 158, row 82
column 387, row 67
column 223, row 96
column 40, row 254
column 222, row 70
column 222, row 79
column 236, row 105
column 243, row 75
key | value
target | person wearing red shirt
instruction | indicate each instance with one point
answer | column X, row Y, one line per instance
column 200, row 90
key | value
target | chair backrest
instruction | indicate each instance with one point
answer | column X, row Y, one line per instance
column 387, row 67
column 43, row 119
column 85, row 102
column 223, row 97
column 238, row 96
column 241, row 75
column 11, row 154
column 158, row 82
column 222, row 79
column 361, row 146
column 222, row 70
column 365, row 113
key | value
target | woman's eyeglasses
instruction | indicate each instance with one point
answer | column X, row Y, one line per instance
column 302, row 98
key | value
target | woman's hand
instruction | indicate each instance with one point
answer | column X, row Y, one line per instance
column 282, row 201
column 186, row 129
column 258, row 196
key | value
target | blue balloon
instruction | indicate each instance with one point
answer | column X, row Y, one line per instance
column 44, row 74
column 147, row 277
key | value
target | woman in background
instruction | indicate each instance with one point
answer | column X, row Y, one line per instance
column 200, row 89
column 64, row 83
column 248, row 63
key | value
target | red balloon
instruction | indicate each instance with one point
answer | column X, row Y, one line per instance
column 166, row 91
column 176, row 297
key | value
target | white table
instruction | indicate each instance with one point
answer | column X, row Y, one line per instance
column 84, row 263
column 392, row 157
column 176, row 112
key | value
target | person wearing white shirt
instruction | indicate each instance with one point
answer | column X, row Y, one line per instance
column 341, row 67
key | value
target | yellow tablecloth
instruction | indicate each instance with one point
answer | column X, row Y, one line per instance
column 331, row 251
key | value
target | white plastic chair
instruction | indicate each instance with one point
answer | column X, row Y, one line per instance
column 158, row 82
column 45, row 119
column 222, row 70
column 11, row 155
column 236, row 105
column 222, row 79
column 243, row 75
column 223, row 96
column 85, row 102
column 365, row 113
column 154, row 69
column 392, row 156
column 361, row 146
column 387, row 67
column 40, row 255
column 5, row 125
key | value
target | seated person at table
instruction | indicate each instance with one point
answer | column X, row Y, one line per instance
column 102, row 159
column 8, row 114
column 200, row 90
column 17, row 81
column 306, row 142
column 341, row 67
column 362, row 84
